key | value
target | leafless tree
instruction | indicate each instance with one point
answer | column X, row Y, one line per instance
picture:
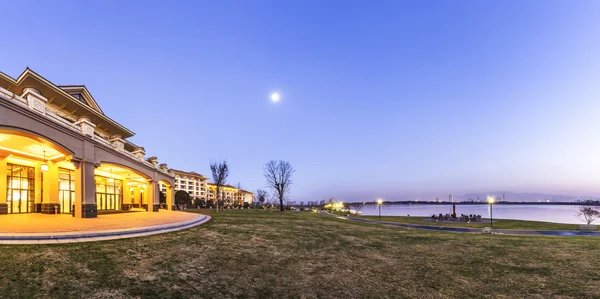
column 261, row 196
column 220, row 172
column 589, row 214
column 279, row 178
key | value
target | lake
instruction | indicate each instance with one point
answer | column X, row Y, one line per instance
column 548, row 213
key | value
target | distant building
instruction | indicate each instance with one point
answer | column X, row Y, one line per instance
column 191, row 182
column 229, row 194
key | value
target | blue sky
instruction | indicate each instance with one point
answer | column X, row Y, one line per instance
column 393, row 99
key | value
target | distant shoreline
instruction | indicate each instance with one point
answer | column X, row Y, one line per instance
column 485, row 203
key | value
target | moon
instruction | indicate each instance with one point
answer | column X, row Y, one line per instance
column 275, row 97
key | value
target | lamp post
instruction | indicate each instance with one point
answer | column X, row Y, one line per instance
column 490, row 201
column 379, row 202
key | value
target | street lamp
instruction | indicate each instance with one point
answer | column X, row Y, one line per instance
column 490, row 201
column 379, row 202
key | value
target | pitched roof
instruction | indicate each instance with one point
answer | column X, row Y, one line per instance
column 190, row 173
column 54, row 93
column 86, row 96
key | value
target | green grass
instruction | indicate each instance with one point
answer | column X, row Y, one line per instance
column 498, row 223
column 257, row 254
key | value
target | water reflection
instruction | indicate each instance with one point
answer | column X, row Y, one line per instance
column 549, row 213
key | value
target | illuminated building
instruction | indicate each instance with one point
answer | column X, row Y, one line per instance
column 230, row 194
column 191, row 182
column 59, row 153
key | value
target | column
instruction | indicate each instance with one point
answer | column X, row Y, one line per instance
column 136, row 197
column 170, row 204
column 50, row 193
column 3, row 195
column 127, row 203
column 153, row 199
column 85, row 190
column 38, row 188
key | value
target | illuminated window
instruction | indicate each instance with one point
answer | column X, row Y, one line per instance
column 66, row 190
column 109, row 195
column 20, row 184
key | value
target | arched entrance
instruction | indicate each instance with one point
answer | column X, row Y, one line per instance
column 120, row 188
column 30, row 168
column 166, row 188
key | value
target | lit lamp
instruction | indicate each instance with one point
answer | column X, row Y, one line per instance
column 379, row 203
column 491, row 201
column 44, row 166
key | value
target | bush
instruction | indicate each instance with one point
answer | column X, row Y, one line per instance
column 182, row 198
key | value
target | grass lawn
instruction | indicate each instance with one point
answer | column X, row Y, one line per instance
column 498, row 223
column 304, row 255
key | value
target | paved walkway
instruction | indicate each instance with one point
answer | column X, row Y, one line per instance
column 471, row 229
column 44, row 229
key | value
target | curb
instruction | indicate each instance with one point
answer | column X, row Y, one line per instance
column 92, row 236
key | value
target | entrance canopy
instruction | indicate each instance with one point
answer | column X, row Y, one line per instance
column 119, row 172
column 28, row 146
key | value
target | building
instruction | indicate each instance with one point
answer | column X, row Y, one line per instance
column 230, row 194
column 59, row 153
column 191, row 182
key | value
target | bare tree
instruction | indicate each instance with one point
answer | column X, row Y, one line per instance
column 589, row 214
column 261, row 196
column 279, row 178
column 220, row 172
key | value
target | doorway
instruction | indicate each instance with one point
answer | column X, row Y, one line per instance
column 66, row 190
column 20, row 188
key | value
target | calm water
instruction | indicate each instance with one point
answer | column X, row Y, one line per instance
column 549, row 213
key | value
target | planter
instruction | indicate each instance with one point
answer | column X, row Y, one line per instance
column 588, row 227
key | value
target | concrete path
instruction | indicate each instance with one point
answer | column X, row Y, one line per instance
column 109, row 228
column 471, row 229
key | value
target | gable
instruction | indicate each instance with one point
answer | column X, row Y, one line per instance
column 82, row 94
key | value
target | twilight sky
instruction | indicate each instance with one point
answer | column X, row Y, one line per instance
column 392, row 99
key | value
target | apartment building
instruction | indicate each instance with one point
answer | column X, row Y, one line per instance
column 230, row 194
column 191, row 182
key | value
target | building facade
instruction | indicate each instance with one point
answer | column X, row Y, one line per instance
column 59, row 153
column 230, row 194
column 191, row 182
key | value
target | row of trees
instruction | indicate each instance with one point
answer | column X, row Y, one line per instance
column 278, row 174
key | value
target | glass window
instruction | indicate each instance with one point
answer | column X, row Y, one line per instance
column 20, row 188
column 109, row 195
column 66, row 190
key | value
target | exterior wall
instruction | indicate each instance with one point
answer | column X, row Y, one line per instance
column 229, row 194
column 86, row 150
column 194, row 185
